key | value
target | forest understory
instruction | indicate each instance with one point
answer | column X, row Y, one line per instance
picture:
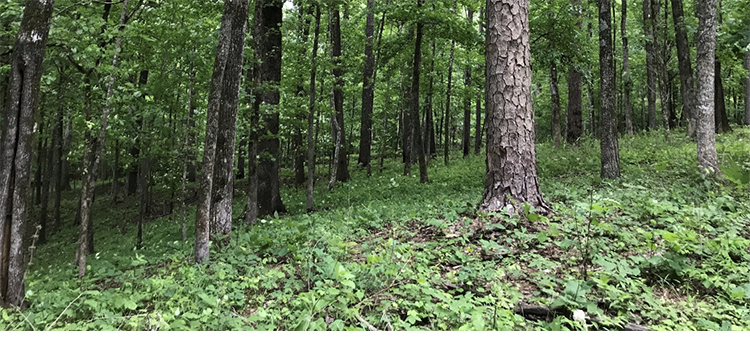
column 662, row 248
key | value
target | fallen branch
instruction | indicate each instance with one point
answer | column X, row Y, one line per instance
column 368, row 325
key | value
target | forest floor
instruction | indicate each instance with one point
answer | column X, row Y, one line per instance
column 663, row 247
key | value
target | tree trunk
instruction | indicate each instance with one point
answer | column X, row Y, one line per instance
column 15, row 163
column 38, row 174
column 574, row 125
column 447, row 113
column 705, row 40
column 627, row 81
column 720, row 112
column 340, row 168
column 67, row 141
column 648, row 32
column 555, row 98
column 94, row 148
column 368, row 91
column 268, row 17
column 214, row 213
column 610, row 154
column 511, row 177
column 687, row 88
column 46, row 179
column 414, row 106
column 478, row 126
column 311, row 117
column 115, row 173
column 466, row 136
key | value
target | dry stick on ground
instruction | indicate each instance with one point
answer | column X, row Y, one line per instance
column 368, row 325
column 63, row 312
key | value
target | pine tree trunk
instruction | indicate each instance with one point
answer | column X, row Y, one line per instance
column 687, row 87
column 511, row 177
column 610, row 155
column 705, row 40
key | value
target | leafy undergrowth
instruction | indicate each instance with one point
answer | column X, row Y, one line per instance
column 664, row 247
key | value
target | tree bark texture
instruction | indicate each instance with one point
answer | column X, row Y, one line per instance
column 341, row 168
column 574, row 118
column 747, row 89
column 720, row 109
column 648, row 32
column 222, row 92
column 511, row 177
column 414, row 103
column 705, row 40
column 15, row 162
column 627, row 81
column 555, row 98
column 610, row 154
column 268, row 17
column 311, row 117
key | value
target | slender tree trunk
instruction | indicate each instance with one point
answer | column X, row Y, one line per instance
column 414, row 107
column 574, row 125
column 57, row 140
column 115, row 173
column 15, row 162
column 429, row 134
column 478, row 126
column 555, row 98
column 705, row 40
column 340, row 165
column 447, row 114
column 511, row 177
column 94, row 149
column 67, row 142
column 610, row 154
column 466, row 136
column 268, row 17
column 627, row 81
column 368, row 91
column 38, row 174
column 648, row 32
column 214, row 214
column 687, row 88
column 46, row 179
column 310, row 206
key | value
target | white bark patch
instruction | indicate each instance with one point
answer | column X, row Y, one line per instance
column 33, row 36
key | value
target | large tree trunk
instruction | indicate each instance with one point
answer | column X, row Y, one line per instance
column 511, row 177
column 610, row 154
column 93, row 152
column 747, row 89
column 705, row 40
column 368, row 91
column 648, row 32
column 555, row 98
column 268, row 17
column 627, row 81
column 414, row 103
column 311, row 117
column 687, row 88
column 15, row 161
column 574, row 118
column 214, row 213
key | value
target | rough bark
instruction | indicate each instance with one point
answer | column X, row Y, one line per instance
column 15, row 162
column 511, row 177
column 627, row 81
column 705, row 40
column 648, row 32
column 610, row 154
column 311, row 117
column 94, row 148
column 574, row 117
column 223, row 92
column 687, row 87
column 368, row 91
column 268, row 17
